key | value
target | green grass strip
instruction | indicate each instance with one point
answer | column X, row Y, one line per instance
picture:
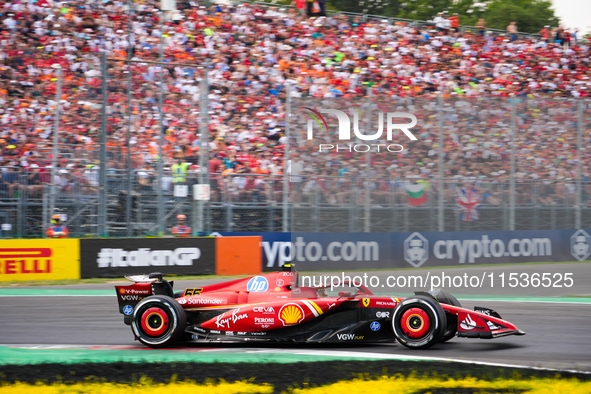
column 20, row 356
column 243, row 387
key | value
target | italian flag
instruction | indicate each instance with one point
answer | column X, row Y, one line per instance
column 417, row 192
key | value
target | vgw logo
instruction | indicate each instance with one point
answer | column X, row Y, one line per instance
column 416, row 250
column 344, row 131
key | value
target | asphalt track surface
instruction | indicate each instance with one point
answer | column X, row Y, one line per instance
column 558, row 334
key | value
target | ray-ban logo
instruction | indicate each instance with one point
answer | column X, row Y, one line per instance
column 345, row 125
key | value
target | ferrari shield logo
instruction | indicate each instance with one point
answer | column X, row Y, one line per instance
column 366, row 302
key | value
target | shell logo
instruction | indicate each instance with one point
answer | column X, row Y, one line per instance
column 291, row 314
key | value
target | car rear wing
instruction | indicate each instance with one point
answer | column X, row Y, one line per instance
column 143, row 286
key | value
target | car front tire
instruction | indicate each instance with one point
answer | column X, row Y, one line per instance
column 419, row 322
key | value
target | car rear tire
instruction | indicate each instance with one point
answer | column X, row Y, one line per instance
column 158, row 321
column 419, row 322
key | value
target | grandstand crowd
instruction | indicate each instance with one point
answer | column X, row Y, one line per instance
column 488, row 83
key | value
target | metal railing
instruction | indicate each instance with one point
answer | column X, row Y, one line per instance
column 317, row 204
column 525, row 160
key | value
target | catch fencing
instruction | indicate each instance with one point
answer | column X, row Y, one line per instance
column 246, row 203
column 479, row 163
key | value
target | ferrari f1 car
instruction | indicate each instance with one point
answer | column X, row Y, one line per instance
column 272, row 307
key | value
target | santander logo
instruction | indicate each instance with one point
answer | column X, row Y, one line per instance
column 468, row 323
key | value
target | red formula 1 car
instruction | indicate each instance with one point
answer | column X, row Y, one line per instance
column 271, row 307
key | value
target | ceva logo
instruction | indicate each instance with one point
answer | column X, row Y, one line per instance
column 344, row 129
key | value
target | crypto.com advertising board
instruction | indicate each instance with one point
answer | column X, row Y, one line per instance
column 342, row 251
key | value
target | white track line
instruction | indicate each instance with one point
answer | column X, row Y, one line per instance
column 332, row 353
column 407, row 357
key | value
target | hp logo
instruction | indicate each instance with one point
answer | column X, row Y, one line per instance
column 257, row 283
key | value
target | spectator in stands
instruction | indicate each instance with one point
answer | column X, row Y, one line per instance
column 300, row 5
column 558, row 35
column 310, row 8
column 57, row 229
column 481, row 26
column 10, row 178
column 91, row 176
column 295, row 169
column 216, row 167
column 567, row 39
column 455, row 22
column 36, row 181
column 322, row 7
column 440, row 22
column 545, row 33
column 327, row 58
column 179, row 171
column 310, row 193
column 512, row 30
column 181, row 229
column 145, row 179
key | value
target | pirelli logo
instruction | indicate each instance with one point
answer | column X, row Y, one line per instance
column 25, row 260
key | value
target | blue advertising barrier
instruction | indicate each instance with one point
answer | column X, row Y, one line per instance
column 342, row 251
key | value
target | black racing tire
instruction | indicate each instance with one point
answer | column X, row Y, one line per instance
column 158, row 321
column 419, row 322
column 452, row 319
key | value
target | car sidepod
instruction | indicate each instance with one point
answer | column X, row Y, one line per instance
column 298, row 320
